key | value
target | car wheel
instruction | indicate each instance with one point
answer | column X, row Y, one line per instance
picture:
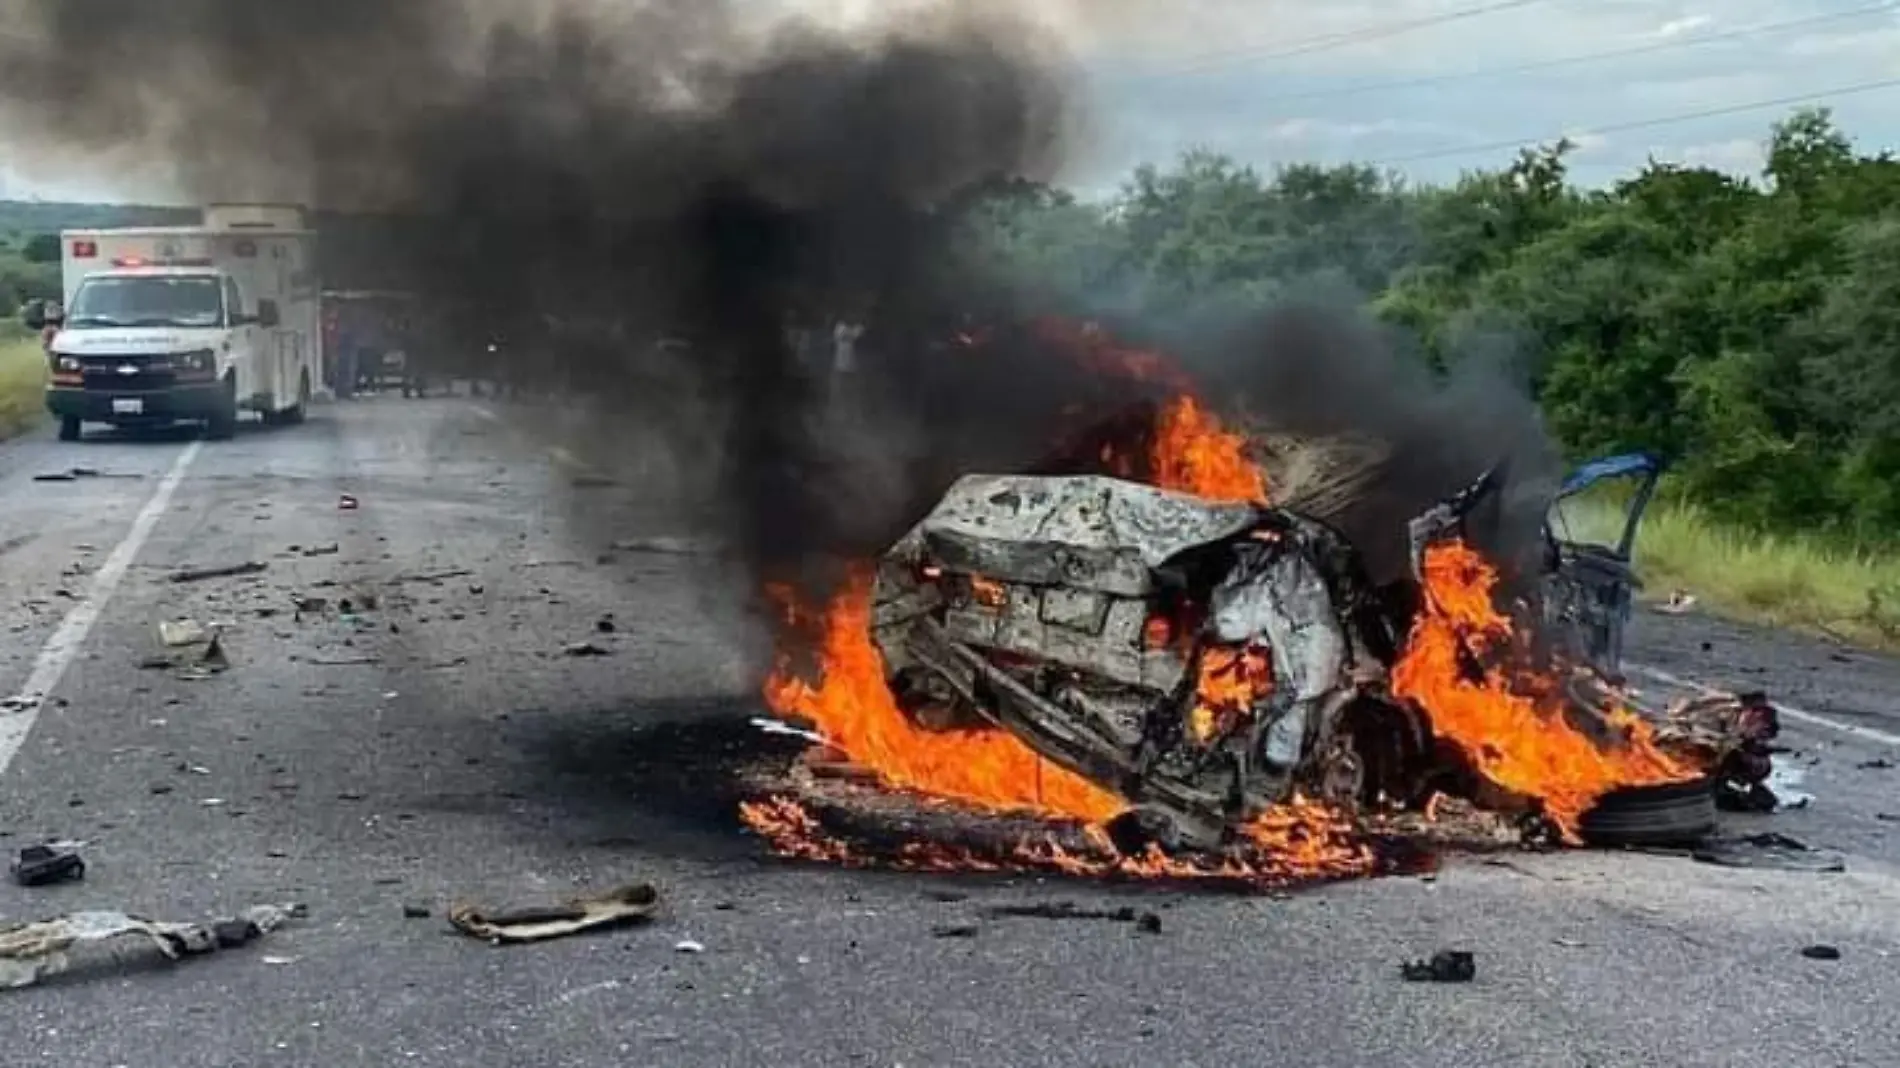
column 301, row 409
column 222, row 426
column 1679, row 813
column 69, row 428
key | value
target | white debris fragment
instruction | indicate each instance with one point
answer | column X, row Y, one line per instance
column 179, row 633
column 688, row 946
column 34, row 951
column 773, row 726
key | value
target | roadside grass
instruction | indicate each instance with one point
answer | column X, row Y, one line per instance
column 1793, row 581
column 22, row 378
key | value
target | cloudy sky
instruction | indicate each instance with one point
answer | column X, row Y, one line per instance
column 1274, row 81
column 1433, row 87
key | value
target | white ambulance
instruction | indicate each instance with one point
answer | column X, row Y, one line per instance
column 187, row 324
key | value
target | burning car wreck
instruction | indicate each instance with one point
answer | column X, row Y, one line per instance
column 1205, row 660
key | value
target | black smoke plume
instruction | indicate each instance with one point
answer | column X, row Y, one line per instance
column 572, row 181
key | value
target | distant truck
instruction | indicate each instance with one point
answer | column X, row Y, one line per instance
column 186, row 324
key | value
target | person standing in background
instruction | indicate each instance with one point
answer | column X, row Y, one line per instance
column 844, row 355
column 55, row 316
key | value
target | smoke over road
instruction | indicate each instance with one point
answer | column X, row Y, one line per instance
column 686, row 167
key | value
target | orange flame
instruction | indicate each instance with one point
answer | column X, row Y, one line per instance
column 1512, row 724
column 1298, row 842
column 1194, row 453
column 1231, row 682
column 853, row 708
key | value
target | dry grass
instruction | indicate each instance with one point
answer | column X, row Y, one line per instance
column 1782, row 580
column 22, row 380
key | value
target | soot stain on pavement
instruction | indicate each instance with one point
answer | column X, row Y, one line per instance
column 664, row 776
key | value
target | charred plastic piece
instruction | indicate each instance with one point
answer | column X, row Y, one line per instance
column 44, row 865
column 1202, row 659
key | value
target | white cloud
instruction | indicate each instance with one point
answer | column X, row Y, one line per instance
column 1206, row 73
column 1678, row 27
column 1739, row 155
column 1222, row 74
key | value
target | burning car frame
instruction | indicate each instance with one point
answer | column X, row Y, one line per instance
column 1156, row 653
column 1204, row 660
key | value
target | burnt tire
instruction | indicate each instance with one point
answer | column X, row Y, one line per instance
column 1673, row 814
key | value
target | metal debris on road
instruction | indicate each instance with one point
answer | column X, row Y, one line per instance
column 584, row 649
column 43, row 865
column 176, row 634
column 1731, row 734
column 1145, row 922
column 780, row 727
column 31, row 952
column 347, row 503
column 660, row 546
column 1445, row 966
column 954, row 930
column 1821, row 951
column 687, row 945
column 1772, row 851
column 633, row 903
column 197, row 652
column 74, row 474
column 203, row 574
column 1680, row 603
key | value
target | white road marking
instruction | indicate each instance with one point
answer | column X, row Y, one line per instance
column 1799, row 715
column 63, row 647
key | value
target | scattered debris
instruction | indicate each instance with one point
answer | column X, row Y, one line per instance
column 1680, row 603
column 433, row 577
column 1731, row 734
column 662, row 546
column 415, row 910
column 1445, row 966
column 605, row 624
column 180, row 633
column 1877, row 764
column 203, row 574
column 584, row 649
column 688, row 946
column 347, row 503
column 633, row 903
column 779, row 727
column 43, row 865
column 954, row 930
column 74, row 474
column 34, row 951
column 1146, row 922
column 19, row 703
column 197, row 652
column 1820, row 951
column 331, row 549
column 1771, row 850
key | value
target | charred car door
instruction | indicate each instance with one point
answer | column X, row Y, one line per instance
column 1590, row 537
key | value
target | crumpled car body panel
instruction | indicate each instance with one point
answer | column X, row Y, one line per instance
column 1033, row 604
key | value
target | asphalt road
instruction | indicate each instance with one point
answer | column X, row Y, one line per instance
column 441, row 746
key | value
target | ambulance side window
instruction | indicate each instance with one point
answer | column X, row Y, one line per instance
column 233, row 302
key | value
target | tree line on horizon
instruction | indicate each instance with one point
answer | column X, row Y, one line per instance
column 1747, row 330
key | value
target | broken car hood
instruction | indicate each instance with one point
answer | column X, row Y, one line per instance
column 1090, row 532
